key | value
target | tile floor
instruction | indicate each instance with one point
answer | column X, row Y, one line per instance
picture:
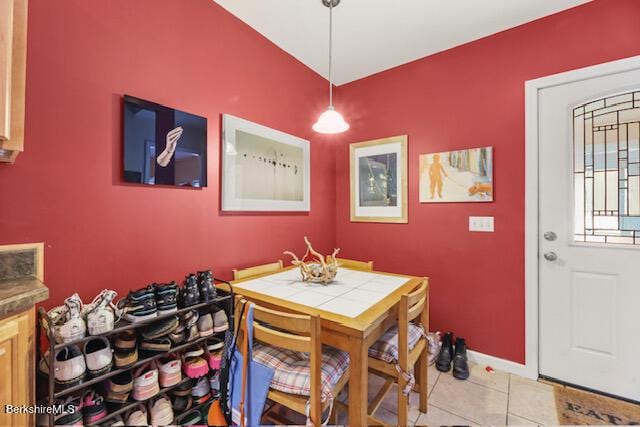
column 484, row 399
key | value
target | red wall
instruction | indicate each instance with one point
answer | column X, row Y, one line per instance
column 471, row 96
column 66, row 189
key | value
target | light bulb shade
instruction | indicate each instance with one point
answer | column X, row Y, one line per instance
column 330, row 122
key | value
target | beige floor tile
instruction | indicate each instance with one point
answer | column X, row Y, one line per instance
column 471, row 401
column 390, row 403
column 498, row 380
column 432, row 375
column 532, row 400
column 514, row 420
column 439, row 417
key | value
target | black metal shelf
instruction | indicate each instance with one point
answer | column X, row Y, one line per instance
column 224, row 299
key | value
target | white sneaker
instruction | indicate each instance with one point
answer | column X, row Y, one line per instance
column 137, row 416
column 67, row 321
column 161, row 411
column 98, row 355
column 101, row 314
column 69, row 367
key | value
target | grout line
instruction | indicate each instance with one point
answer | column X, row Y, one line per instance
column 456, row 415
column 472, row 382
column 434, row 386
column 525, row 418
column 506, row 421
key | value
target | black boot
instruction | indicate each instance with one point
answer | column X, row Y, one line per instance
column 205, row 286
column 443, row 362
column 460, row 364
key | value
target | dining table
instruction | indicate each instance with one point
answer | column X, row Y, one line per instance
column 356, row 309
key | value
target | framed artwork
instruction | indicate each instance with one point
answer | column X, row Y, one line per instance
column 263, row 169
column 379, row 180
column 457, row 176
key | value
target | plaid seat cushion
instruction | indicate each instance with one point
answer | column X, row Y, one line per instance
column 386, row 348
column 293, row 369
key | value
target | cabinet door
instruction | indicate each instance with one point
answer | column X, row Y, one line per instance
column 16, row 362
column 6, row 48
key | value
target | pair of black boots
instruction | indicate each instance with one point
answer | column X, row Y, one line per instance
column 453, row 356
column 197, row 289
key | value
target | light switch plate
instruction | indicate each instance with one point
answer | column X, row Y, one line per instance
column 483, row 224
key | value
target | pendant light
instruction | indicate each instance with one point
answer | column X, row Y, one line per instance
column 330, row 121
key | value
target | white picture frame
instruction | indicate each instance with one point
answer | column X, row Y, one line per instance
column 263, row 169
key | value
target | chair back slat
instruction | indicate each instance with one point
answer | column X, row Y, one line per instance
column 286, row 321
column 416, row 309
column 281, row 339
column 245, row 273
column 354, row 264
column 417, row 294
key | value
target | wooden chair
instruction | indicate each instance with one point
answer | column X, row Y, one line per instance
column 412, row 314
column 278, row 334
column 273, row 267
column 351, row 263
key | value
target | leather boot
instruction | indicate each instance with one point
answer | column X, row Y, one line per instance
column 189, row 294
column 443, row 362
column 460, row 364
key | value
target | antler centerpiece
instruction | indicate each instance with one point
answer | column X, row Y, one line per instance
column 314, row 267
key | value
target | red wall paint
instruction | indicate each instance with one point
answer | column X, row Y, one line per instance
column 471, row 96
column 66, row 189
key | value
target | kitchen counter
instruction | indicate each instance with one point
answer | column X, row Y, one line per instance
column 21, row 294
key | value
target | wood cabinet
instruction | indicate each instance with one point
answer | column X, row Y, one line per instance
column 17, row 366
column 13, row 62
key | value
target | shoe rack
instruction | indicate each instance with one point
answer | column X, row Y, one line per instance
column 224, row 299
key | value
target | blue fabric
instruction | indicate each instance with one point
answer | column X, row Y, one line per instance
column 258, row 376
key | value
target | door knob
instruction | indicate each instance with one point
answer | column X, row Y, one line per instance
column 550, row 236
column 550, row 256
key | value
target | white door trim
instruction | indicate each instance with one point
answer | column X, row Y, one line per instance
column 532, row 87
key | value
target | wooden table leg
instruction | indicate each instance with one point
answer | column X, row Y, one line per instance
column 358, row 381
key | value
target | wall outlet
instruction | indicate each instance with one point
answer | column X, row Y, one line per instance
column 483, row 224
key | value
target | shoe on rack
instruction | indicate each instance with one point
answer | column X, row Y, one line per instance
column 98, row 355
column 170, row 372
column 205, row 286
column 68, row 324
column 460, row 363
column 160, row 328
column 125, row 358
column 201, row 388
column 220, row 320
column 190, row 320
column 70, row 368
column 126, row 350
column 101, row 314
column 183, row 389
column 145, row 383
column 194, row 365
column 205, row 324
column 213, row 353
column 166, row 297
column 189, row 294
column 158, row 344
column 139, row 305
column 179, row 334
column 137, row 416
column 71, row 414
column 117, row 421
column 214, row 382
column 443, row 362
column 182, row 404
column 191, row 418
column 119, row 387
column 93, row 407
column 160, row 411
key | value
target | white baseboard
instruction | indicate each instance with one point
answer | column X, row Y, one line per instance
column 501, row 364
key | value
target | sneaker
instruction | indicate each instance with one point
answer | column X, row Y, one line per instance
column 126, row 340
column 170, row 372
column 205, row 286
column 195, row 366
column 205, row 324
column 70, row 368
column 161, row 411
column 201, row 388
column 190, row 320
column 183, row 389
column 68, row 324
column 160, row 328
column 125, row 358
column 126, row 351
column 139, row 305
column 101, row 314
column 166, row 298
column 93, row 407
column 189, row 294
column 71, row 414
column 145, row 383
column 157, row 344
column 220, row 320
column 137, row 416
column 182, row 404
column 213, row 353
column 119, row 386
column 214, row 381
column 179, row 334
column 460, row 364
column 98, row 355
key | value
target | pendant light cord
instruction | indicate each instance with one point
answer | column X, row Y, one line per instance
column 331, row 53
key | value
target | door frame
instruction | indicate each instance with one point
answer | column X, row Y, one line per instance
column 532, row 213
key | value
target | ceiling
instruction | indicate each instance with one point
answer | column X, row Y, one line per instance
column 374, row 35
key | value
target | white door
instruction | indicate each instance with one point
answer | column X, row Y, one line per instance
column 589, row 268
